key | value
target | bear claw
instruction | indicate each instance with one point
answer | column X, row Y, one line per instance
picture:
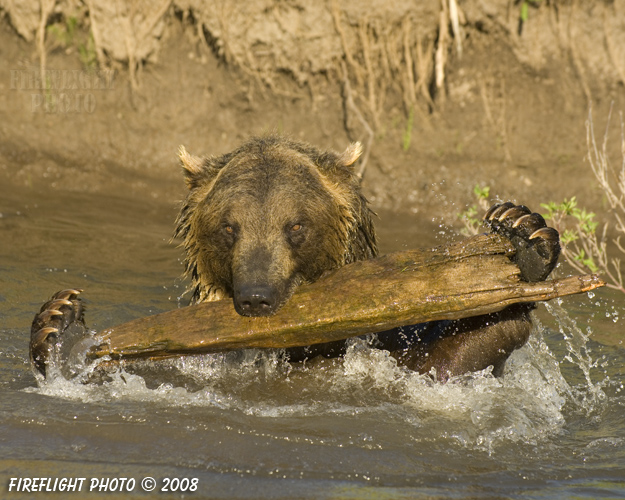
column 58, row 303
column 516, row 212
column 69, row 293
column 537, row 245
column 496, row 210
column 546, row 233
column 521, row 220
column 42, row 334
column 48, row 313
column 55, row 316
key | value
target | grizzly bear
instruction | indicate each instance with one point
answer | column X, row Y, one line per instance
column 275, row 213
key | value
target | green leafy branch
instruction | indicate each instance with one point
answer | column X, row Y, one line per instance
column 473, row 223
column 582, row 248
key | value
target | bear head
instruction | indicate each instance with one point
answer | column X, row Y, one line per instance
column 269, row 216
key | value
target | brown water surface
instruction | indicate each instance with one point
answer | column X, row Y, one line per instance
column 255, row 427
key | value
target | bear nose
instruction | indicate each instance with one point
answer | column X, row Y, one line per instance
column 255, row 300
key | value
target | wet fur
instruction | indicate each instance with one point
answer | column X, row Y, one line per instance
column 273, row 181
column 284, row 180
column 331, row 192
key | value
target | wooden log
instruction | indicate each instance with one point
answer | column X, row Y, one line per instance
column 464, row 279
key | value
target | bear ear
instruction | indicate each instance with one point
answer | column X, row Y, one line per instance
column 192, row 166
column 350, row 155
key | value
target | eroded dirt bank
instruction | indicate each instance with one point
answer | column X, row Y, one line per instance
column 510, row 111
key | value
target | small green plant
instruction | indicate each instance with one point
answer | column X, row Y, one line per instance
column 525, row 8
column 87, row 53
column 578, row 234
column 482, row 194
column 67, row 35
column 472, row 222
column 64, row 33
column 407, row 135
column 524, row 12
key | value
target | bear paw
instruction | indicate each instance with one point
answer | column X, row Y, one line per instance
column 537, row 245
column 62, row 310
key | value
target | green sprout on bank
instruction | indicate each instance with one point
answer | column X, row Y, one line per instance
column 525, row 8
column 407, row 135
column 470, row 217
column 524, row 13
column 64, row 33
column 87, row 53
column 67, row 35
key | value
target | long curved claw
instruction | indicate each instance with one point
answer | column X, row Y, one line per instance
column 521, row 220
column 41, row 335
column 49, row 314
column 514, row 212
column 69, row 293
column 49, row 327
column 495, row 211
column 546, row 233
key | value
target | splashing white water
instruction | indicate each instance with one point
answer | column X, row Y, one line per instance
column 476, row 410
column 590, row 396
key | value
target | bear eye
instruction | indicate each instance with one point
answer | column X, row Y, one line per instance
column 229, row 232
column 295, row 233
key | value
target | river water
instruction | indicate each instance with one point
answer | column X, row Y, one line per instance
column 359, row 427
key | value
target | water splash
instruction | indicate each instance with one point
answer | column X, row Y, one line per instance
column 527, row 405
column 589, row 397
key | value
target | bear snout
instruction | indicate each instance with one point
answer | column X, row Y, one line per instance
column 255, row 300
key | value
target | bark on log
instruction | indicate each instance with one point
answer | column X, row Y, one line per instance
column 455, row 281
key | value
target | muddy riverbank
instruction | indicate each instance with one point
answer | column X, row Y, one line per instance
column 510, row 112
